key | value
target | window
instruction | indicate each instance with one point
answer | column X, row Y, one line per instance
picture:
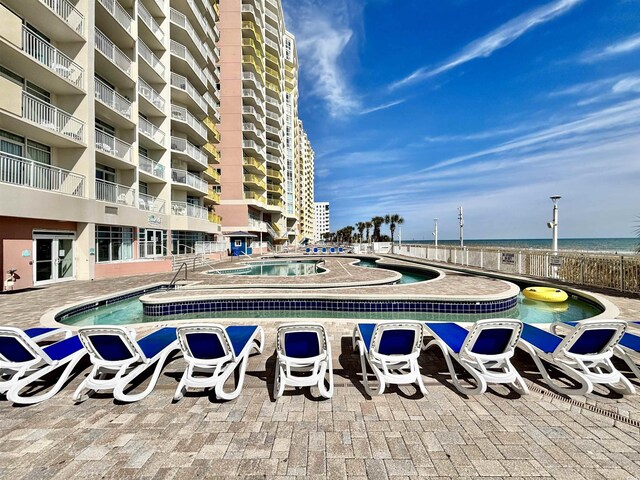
column 185, row 241
column 151, row 242
column 113, row 243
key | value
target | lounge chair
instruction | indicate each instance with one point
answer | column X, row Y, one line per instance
column 315, row 249
column 392, row 350
column 216, row 352
column 484, row 352
column 584, row 355
column 303, row 358
column 23, row 361
column 119, row 359
column 307, row 251
column 340, row 250
column 332, row 250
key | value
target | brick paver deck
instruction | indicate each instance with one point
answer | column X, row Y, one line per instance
column 397, row 435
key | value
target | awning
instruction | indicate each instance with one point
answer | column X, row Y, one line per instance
column 240, row 234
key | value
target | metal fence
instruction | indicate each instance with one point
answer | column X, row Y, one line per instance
column 618, row 272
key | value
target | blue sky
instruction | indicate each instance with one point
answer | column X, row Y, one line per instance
column 418, row 106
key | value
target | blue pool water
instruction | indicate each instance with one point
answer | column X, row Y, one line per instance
column 282, row 269
column 408, row 275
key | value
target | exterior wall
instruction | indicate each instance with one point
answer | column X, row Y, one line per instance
column 121, row 269
column 322, row 219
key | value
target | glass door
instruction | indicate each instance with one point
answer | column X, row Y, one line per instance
column 53, row 258
column 154, row 243
column 43, row 260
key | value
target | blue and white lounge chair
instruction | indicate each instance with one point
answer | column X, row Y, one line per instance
column 303, row 358
column 23, row 361
column 324, row 249
column 584, row 355
column 315, row 249
column 340, row 250
column 119, row 359
column 484, row 351
column 307, row 250
column 215, row 352
column 392, row 350
column 332, row 250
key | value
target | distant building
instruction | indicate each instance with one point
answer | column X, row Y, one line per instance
column 321, row 219
column 305, row 191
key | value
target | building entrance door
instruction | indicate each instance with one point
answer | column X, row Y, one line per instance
column 154, row 243
column 53, row 257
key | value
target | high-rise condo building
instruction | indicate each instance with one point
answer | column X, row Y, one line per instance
column 322, row 221
column 305, row 186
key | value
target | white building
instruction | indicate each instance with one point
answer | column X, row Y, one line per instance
column 322, row 224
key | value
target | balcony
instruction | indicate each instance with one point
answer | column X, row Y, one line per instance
column 148, row 93
column 112, row 147
column 118, row 63
column 150, row 23
column 215, row 218
column 254, row 181
column 151, row 167
column 195, row 127
column 213, row 174
column 150, row 204
column 255, row 81
column 68, row 13
column 118, row 12
column 213, row 129
column 187, row 151
column 185, row 32
column 253, row 132
column 253, row 28
column 50, row 118
column 187, row 92
column 253, row 47
column 274, row 202
column 184, row 209
column 271, row 44
column 251, row 96
column 273, row 188
column 254, row 165
column 27, row 173
column 211, row 149
column 258, row 150
column 250, row 195
column 52, row 58
column 114, row 193
column 250, row 60
column 183, row 177
column 274, row 131
column 208, row 98
column 213, row 196
column 112, row 99
column 273, row 73
column 275, row 88
column 181, row 52
column 154, row 66
column 275, row 175
column 153, row 133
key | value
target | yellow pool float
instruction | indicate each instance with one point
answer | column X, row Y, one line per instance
column 545, row 294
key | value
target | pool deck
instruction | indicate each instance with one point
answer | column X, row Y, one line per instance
column 396, row 435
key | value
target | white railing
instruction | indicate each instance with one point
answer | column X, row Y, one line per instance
column 113, row 53
column 152, row 167
column 274, row 116
column 210, row 100
column 273, row 130
column 272, row 44
column 183, row 115
column 114, row 193
column 52, row 118
column 67, row 12
column 118, row 12
column 112, row 99
column 150, row 94
column 150, row 204
column 150, row 130
column 210, row 247
column 182, row 52
column 251, row 94
column 182, row 21
column 150, row 22
column 252, row 77
column 181, row 145
column 180, row 82
column 27, row 173
column 46, row 54
column 184, row 209
column 112, row 146
column 186, row 178
column 151, row 58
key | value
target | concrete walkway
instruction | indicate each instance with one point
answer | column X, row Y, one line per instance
column 397, row 435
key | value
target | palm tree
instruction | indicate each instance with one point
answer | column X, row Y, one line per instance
column 360, row 226
column 367, row 226
column 376, row 221
column 392, row 221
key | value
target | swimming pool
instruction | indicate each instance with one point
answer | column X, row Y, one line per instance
column 409, row 275
column 274, row 269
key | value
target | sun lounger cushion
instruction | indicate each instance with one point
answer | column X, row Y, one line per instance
column 239, row 336
column 110, row 348
column 631, row 341
column 394, row 342
column 488, row 342
column 450, row 333
column 63, row 348
column 545, row 341
column 301, row 344
column 14, row 351
column 207, row 345
column 37, row 331
column 155, row 342
column 592, row 341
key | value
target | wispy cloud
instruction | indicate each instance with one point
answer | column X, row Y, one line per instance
column 621, row 47
column 485, row 135
column 323, row 31
column 497, row 39
column 601, row 90
column 381, row 107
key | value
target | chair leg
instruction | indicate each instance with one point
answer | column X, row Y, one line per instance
column 326, row 367
column 219, row 389
column 278, row 383
column 181, row 389
column 481, row 384
column 620, row 353
column 585, row 384
column 118, row 391
column 371, row 391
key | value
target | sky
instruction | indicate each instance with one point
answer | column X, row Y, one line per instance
column 417, row 107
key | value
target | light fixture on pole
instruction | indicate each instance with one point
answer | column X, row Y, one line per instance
column 554, row 223
column 435, row 231
column 461, row 220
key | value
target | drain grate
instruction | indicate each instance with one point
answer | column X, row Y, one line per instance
column 586, row 406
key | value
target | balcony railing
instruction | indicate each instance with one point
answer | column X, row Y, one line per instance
column 67, row 12
column 151, row 58
column 215, row 218
column 254, row 179
column 182, row 145
column 210, row 101
column 114, row 193
column 213, row 173
column 181, row 83
column 211, row 148
column 113, row 53
column 51, row 118
column 184, row 209
column 272, row 187
column 187, row 178
column 250, row 161
column 118, row 12
column 151, row 167
column 274, row 116
column 247, row 92
column 182, row 52
column 249, row 195
column 52, row 58
column 213, row 196
column 113, row 146
column 150, row 204
column 181, row 114
column 212, row 128
column 27, row 173
column 253, row 145
column 150, row 94
column 183, row 22
column 251, row 60
column 149, row 130
column 112, row 99
column 274, row 202
column 150, row 22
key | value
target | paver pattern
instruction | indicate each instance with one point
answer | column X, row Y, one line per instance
column 396, row 435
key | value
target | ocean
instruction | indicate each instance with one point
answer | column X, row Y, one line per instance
column 620, row 246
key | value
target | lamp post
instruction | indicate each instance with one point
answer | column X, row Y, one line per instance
column 461, row 221
column 553, row 225
column 435, row 231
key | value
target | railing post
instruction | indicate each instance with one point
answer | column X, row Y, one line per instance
column 622, row 273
